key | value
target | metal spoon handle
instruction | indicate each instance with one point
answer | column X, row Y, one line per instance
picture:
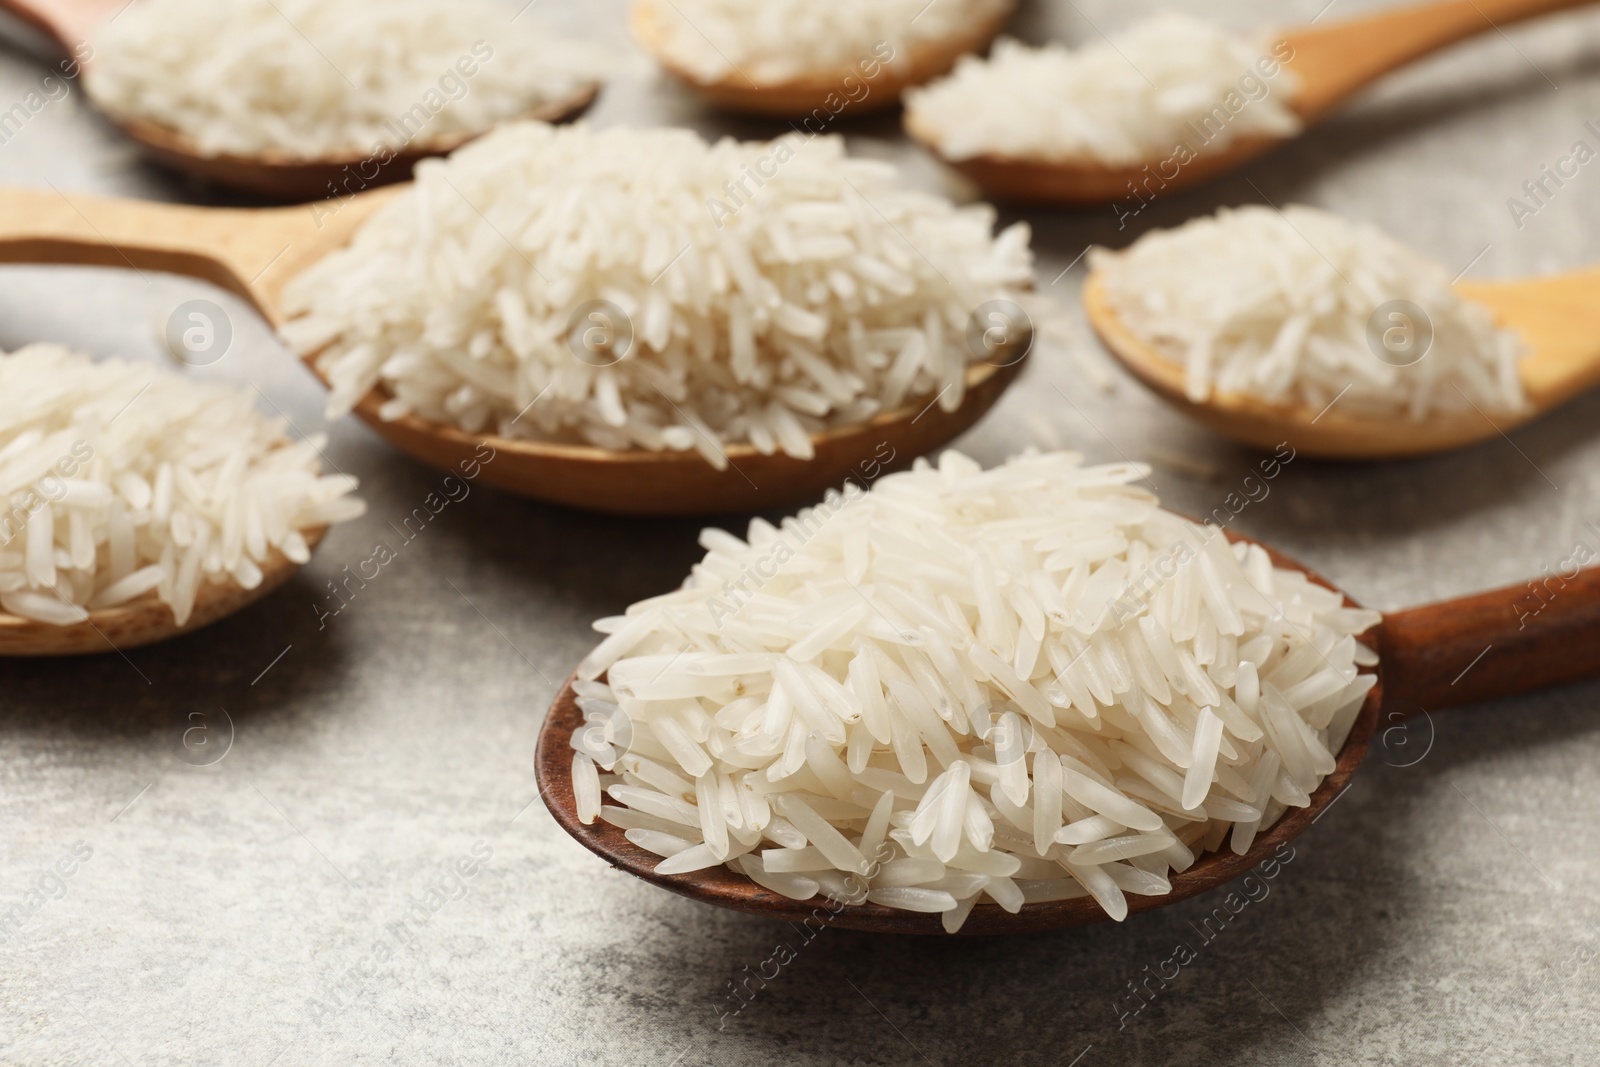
column 1509, row 641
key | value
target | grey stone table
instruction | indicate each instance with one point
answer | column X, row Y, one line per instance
column 366, row 875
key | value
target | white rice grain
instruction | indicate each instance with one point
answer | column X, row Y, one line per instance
column 585, row 788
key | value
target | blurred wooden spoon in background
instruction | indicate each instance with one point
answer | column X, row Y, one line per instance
column 1332, row 62
column 275, row 175
column 1558, row 318
column 799, row 96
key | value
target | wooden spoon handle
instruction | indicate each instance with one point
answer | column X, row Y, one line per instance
column 1336, row 61
column 1514, row 640
column 249, row 251
column 70, row 22
column 1558, row 318
column 226, row 247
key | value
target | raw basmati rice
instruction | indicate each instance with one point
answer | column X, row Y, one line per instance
column 1166, row 81
column 778, row 41
column 120, row 481
column 749, row 292
column 1031, row 707
column 310, row 78
column 1295, row 307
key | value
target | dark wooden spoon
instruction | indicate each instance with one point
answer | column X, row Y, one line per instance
column 1433, row 657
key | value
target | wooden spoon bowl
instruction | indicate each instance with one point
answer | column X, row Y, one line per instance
column 145, row 620
column 254, row 253
column 1431, row 658
column 283, row 176
column 800, row 96
column 640, row 482
column 275, row 175
column 728, row 889
column 1557, row 317
column 1331, row 64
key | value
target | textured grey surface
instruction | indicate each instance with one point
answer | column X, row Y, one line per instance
column 274, row 907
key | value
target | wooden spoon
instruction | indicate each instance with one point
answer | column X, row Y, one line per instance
column 254, row 252
column 1558, row 317
column 798, row 97
column 273, row 174
column 1332, row 63
column 1435, row 657
column 145, row 620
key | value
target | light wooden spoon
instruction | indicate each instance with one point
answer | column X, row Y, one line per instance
column 1430, row 658
column 798, row 97
column 254, row 252
column 1332, row 62
column 1557, row 317
column 273, row 174
column 145, row 620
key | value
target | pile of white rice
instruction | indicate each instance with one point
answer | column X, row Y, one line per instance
column 1295, row 306
column 1026, row 684
column 777, row 41
column 820, row 295
column 1165, row 82
column 117, row 480
column 330, row 77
